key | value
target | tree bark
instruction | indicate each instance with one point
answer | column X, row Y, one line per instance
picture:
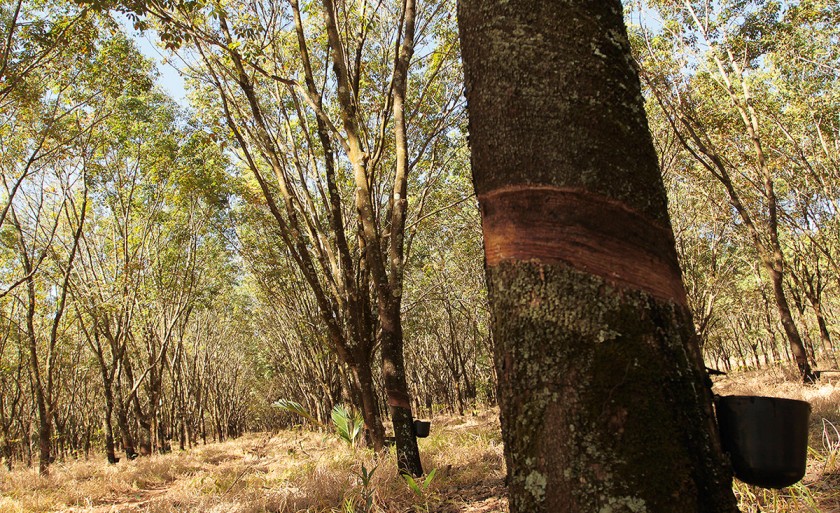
column 7, row 452
column 363, row 383
column 602, row 389
column 825, row 336
column 41, row 396
column 126, row 437
column 388, row 285
column 775, row 268
column 41, row 390
column 107, row 423
column 812, row 286
column 396, row 390
column 390, row 289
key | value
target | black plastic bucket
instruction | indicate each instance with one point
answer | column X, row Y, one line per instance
column 421, row 428
column 766, row 438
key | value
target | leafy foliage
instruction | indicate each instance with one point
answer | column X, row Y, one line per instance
column 296, row 408
column 348, row 425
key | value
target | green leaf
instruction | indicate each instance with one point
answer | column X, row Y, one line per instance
column 296, row 408
column 429, row 479
column 348, row 426
column 420, row 488
column 412, row 484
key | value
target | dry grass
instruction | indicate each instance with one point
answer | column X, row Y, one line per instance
column 300, row 471
column 289, row 471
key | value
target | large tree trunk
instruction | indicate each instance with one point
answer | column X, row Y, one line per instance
column 602, row 389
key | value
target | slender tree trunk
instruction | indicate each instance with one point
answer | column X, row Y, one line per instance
column 144, row 433
column 41, row 399
column 107, row 422
column 601, row 380
column 766, row 240
column 808, row 341
column 122, row 421
column 774, row 350
column 390, row 292
column 396, row 390
column 154, row 431
column 88, row 435
column 8, row 450
column 726, row 360
column 144, row 437
column 825, row 336
column 182, row 432
column 27, row 440
column 797, row 348
column 363, row 382
column 42, row 402
column 44, row 437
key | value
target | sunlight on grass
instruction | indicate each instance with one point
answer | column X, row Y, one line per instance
column 300, row 471
column 289, row 471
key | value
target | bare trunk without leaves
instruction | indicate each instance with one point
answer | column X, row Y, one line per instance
column 602, row 389
column 42, row 365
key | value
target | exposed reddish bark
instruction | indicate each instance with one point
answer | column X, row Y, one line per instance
column 585, row 231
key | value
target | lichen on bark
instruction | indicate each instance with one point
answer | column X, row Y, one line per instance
column 603, row 404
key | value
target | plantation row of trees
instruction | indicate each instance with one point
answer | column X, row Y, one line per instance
column 742, row 98
column 307, row 230
column 114, row 262
column 153, row 289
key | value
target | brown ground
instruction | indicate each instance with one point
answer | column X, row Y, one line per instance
column 300, row 471
column 288, row 471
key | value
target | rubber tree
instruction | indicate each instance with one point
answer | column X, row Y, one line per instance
column 301, row 134
column 757, row 175
column 602, row 388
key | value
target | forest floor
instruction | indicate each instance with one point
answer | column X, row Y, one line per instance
column 298, row 470
column 289, row 471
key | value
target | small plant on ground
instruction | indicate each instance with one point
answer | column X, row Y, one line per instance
column 421, row 488
column 348, row 426
column 366, row 494
column 296, row 408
